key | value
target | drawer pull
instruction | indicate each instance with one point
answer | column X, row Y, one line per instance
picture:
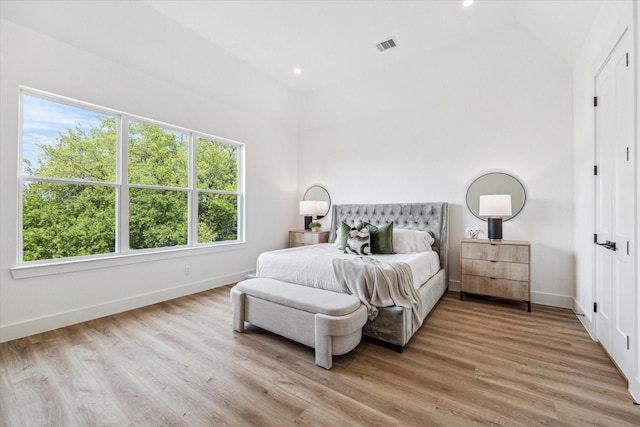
column 493, row 278
column 492, row 260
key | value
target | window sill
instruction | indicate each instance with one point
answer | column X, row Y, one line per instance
column 69, row 266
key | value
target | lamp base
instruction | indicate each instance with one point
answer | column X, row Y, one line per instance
column 494, row 229
column 307, row 221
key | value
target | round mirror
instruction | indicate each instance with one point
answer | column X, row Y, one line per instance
column 318, row 193
column 496, row 183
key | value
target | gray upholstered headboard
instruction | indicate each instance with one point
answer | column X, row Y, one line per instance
column 431, row 217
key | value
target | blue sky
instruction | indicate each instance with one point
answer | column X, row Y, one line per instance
column 43, row 121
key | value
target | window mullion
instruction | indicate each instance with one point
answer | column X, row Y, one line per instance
column 241, row 195
column 122, row 210
column 193, row 192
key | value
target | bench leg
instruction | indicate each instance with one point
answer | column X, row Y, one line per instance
column 237, row 300
column 324, row 351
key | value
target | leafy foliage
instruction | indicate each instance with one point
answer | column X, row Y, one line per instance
column 217, row 217
column 158, row 156
column 67, row 219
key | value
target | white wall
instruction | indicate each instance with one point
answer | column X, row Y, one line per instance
column 31, row 305
column 607, row 28
column 423, row 131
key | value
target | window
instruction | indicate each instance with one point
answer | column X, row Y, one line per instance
column 99, row 182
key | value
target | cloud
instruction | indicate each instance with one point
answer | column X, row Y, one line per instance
column 44, row 120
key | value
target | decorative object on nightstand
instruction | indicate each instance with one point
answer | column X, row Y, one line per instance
column 473, row 232
column 496, row 269
column 315, row 226
column 495, row 206
column 307, row 237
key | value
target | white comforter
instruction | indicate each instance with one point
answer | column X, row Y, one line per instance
column 313, row 265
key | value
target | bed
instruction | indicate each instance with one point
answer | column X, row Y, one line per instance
column 323, row 266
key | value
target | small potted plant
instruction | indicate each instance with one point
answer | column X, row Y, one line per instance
column 315, row 226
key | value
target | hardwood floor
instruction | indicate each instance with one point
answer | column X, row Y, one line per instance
column 473, row 362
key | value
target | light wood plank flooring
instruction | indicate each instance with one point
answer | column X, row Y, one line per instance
column 474, row 362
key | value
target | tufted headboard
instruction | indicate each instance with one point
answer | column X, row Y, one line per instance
column 431, row 217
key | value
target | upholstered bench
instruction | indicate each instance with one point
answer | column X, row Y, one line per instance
column 328, row 321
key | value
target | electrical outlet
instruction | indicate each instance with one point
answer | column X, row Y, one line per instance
column 187, row 271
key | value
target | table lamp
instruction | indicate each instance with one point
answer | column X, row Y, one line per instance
column 312, row 209
column 495, row 206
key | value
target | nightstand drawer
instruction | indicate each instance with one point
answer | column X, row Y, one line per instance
column 495, row 252
column 502, row 288
column 497, row 269
column 303, row 238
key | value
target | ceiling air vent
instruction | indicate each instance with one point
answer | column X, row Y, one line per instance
column 387, row 44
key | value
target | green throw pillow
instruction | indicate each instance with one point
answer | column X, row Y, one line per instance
column 381, row 238
column 346, row 228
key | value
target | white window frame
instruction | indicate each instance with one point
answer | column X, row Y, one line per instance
column 123, row 254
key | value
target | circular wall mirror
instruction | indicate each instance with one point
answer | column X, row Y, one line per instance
column 496, row 183
column 319, row 194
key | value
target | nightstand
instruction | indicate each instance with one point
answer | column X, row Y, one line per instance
column 307, row 237
column 496, row 268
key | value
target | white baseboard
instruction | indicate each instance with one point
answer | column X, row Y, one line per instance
column 59, row 320
column 454, row 285
column 587, row 322
column 634, row 388
column 553, row 300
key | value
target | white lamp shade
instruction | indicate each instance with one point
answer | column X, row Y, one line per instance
column 496, row 205
column 322, row 208
column 307, row 207
column 313, row 207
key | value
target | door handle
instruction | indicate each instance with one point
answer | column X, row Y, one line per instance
column 608, row 245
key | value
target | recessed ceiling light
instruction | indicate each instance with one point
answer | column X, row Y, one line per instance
column 467, row 3
column 297, row 71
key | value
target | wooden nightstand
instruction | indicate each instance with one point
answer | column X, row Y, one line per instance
column 306, row 237
column 496, row 268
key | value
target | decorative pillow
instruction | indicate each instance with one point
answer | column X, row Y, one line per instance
column 343, row 234
column 338, row 241
column 358, row 242
column 381, row 238
column 411, row 241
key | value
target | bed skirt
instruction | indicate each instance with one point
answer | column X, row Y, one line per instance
column 394, row 324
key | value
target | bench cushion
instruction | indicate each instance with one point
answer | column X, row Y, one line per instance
column 303, row 298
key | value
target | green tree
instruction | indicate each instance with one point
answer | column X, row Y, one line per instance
column 63, row 220
column 158, row 218
column 217, row 169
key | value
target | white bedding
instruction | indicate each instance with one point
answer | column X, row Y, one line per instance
column 312, row 265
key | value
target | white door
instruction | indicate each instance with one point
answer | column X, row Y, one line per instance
column 615, row 211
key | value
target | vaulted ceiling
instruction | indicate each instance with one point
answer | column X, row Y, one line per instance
column 334, row 40
column 328, row 40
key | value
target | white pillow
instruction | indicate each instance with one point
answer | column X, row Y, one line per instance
column 411, row 241
column 338, row 240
